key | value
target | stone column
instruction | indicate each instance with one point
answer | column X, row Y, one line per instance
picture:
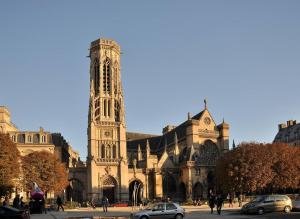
column 146, row 183
column 189, row 191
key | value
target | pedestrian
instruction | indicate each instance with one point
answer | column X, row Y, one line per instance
column 59, row 203
column 16, row 202
column 199, row 202
column 211, row 202
column 104, row 203
column 229, row 199
column 240, row 200
column 43, row 203
column 93, row 204
column 219, row 202
column 6, row 201
column 22, row 204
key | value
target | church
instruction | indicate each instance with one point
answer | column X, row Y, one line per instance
column 178, row 164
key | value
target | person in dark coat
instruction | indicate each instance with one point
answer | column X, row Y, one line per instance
column 104, row 203
column 16, row 202
column 59, row 203
column 211, row 202
column 43, row 203
column 6, row 201
column 22, row 204
column 219, row 202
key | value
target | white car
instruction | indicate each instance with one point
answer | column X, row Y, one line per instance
column 162, row 210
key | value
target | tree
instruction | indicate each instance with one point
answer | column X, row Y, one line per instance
column 244, row 169
column 286, row 167
column 9, row 164
column 254, row 167
column 46, row 170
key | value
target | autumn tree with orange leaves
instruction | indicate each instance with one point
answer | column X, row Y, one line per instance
column 9, row 164
column 46, row 170
column 254, row 167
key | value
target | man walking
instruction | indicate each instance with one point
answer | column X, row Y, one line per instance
column 211, row 202
column 104, row 203
column 59, row 203
column 219, row 203
column 16, row 202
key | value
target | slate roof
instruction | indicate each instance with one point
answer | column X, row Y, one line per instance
column 288, row 134
column 157, row 142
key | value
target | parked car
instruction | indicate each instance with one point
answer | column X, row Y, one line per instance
column 296, row 204
column 268, row 203
column 7, row 212
column 162, row 210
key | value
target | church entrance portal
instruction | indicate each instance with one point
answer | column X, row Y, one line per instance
column 136, row 188
column 182, row 190
column 198, row 191
column 109, row 192
column 109, row 188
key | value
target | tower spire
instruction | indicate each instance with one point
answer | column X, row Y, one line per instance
column 140, row 155
column 233, row 145
column 176, row 149
column 148, row 148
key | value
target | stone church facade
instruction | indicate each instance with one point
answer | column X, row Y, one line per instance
column 179, row 164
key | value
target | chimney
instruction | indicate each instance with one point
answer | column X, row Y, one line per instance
column 281, row 126
column 291, row 123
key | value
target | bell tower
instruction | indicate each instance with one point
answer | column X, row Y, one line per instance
column 107, row 153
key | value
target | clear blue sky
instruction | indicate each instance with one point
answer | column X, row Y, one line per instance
column 243, row 56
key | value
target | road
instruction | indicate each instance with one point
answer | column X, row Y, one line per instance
column 191, row 213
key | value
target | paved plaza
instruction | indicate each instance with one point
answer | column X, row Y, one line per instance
column 192, row 212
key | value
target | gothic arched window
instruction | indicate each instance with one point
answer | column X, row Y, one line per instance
column 117, row 111
column 103, row 151
column 114, row 151
column 116, row 77
column 108, row 108
column 106, row 76
column 96, row 76
column 105, row 107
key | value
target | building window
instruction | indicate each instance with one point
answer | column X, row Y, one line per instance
column 197, row 171
column 43, row 139
column 105, row 108
column 29, row 138
column 96, row 76
column 108, row 108
column 117, row 112
column 13, row 138
column 116, row 77
column 103, row 151
column 106, row 76
column 114, row 152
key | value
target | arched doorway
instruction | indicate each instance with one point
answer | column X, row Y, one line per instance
column 109, row 188
column 74, row 191
column 198, row 191
column 182, row 191
column 169, row 186
column 136, row 190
